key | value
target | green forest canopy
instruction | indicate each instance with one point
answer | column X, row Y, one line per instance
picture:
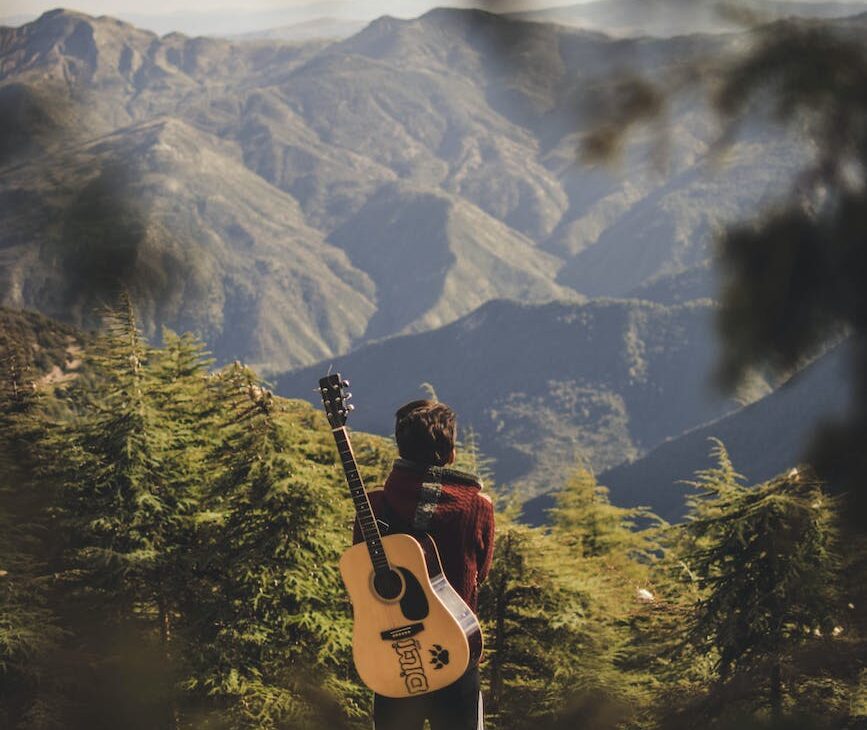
column 169, row 547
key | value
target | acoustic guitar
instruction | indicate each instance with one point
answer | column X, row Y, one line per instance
column 412, row 632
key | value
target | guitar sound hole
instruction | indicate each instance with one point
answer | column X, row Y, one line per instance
column 388, row 585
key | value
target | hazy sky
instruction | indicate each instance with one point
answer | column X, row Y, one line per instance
column 157, row 7
column 364, row 8
column 227, row 17
column 232, row 17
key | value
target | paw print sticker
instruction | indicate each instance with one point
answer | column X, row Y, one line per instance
column 439, row 656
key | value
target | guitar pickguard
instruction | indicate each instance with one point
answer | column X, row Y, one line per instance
column 414, row 603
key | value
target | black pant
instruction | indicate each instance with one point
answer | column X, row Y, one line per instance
column 456, row 707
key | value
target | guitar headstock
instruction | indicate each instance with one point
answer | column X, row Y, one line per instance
column 332, row 388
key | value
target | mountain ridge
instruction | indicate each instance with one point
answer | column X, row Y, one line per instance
column 542, row 385
column 763, row 439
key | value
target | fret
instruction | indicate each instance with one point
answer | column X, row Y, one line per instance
column 366, row 519
column 334, row 401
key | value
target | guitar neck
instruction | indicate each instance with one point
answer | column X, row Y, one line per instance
column 363, row 510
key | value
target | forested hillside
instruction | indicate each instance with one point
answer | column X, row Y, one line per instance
column 50, row 350
column 169, row 538
column 764, row 438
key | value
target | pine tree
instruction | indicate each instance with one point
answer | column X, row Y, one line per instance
column 544, row 646
column 29, row 632
column 112, row 476
column 584, row 519
column 515, row 605
column 185, row 416
column 127, row 511
column 765, row 558
column 683, row 671
column 471, row 458
column 275, row 628
column 607, row 553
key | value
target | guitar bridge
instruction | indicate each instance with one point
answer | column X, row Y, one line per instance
column 402, row 632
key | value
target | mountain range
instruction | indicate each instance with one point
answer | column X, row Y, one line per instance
column 224, row 20
column 405, row 202
column 308, row 30
column 330, row 194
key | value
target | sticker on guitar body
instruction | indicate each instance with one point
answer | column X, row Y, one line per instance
column 412, row 667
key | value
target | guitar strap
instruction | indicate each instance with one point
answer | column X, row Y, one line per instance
column 392, row 523
column 384, row 528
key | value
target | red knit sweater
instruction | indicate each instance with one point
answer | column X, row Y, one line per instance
column 447, row 504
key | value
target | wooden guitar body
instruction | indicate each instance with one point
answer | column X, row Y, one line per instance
column 422, row 636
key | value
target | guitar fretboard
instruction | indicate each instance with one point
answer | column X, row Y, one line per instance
column 363, row 510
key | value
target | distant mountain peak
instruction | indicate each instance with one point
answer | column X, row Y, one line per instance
column 62, row 12
column 462, row 13
column 386, row 23
column 459, row 20
column 52, row 17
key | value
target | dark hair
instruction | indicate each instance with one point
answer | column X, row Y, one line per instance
column 425, row 432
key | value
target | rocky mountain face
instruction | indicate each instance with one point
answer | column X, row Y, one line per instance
column 291, row 202
column 545, row 386
column 173, row 215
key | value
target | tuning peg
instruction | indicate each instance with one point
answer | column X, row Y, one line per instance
column 345, row 382
column 349, row 407
column 347, row 396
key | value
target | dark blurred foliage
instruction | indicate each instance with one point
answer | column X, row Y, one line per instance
column 618, row 107
column 793, row 278
column 29, row 120
column 102, row 238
